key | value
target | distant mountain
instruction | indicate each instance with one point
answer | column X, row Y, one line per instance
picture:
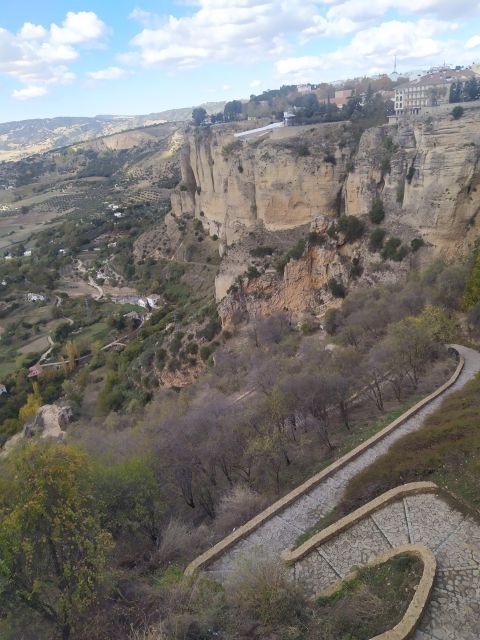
column 27, row 137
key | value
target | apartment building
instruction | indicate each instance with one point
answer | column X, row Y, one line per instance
column 430, row 90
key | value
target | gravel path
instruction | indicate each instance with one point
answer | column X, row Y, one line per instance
column 281, row 531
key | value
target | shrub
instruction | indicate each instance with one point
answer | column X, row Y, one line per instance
column 296, row 252
column 400, row 192
column 416, row 244
column 356, row 269
column 410, row 173
column 377, row 212
column 315, row 238
column 401, row 253
column 393, row 250
column 377, row 237
column 261, row 251
column 252, row 272
column 206, row 352
column 336, row 288
column 303, row 150
column 390, row 248
column 237, row 507
column 330, row 159
column 259, row 588
column 457, row 112
column 331, row 321
column 192, row 348
column 352, row 228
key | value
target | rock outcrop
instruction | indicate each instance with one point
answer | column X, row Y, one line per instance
column 425, row 170
column 50, row 421
column 279, row 183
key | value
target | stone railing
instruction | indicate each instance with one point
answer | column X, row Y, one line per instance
column 277, row 507
column 290, row 556
column 418, row 604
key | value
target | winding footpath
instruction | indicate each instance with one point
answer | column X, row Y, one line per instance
column 454, row 609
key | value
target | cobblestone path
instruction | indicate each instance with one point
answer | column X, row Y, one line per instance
column 281, row 531
column 454, row 610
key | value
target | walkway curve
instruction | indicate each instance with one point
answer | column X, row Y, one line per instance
column 419, row 514
column 281, row 525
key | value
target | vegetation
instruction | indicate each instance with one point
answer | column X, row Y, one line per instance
column 369, row 604
column 457, row 112
column 377, row 237
column 52, row 544
column 377, row 212
column 352, row 228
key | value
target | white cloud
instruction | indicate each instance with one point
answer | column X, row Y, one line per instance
column 29, row 92
column 473, row 42
column 36, row 56
column 255, row 83
column 247, row 30
column 78, row 28
column 221, row 30
column 110, row 73
column 374, row 48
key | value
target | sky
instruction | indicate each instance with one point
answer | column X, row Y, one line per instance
column 117, row 57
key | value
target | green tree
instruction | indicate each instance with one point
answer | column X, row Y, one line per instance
column 52, row 547
column 352, row 228
column 377, row 212
column 131, row 496
column 457, row 112
column 232, row 110
column 198, row 115
column 376, row 239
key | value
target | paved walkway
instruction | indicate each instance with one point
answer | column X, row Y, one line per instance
column 281, row 531
column 453, row 612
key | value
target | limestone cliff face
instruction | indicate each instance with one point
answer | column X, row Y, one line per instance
column 427, row 173
column 280, row 182
column 301, row 290
column 425, row 170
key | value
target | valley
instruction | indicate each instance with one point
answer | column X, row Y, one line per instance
column 193, row 325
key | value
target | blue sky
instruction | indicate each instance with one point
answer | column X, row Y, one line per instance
column 92, row 57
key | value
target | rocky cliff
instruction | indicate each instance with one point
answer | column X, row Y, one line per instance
column 425, row 170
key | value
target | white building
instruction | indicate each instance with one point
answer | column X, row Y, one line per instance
column 27, row 253
column 3, row 389
column 430, row 90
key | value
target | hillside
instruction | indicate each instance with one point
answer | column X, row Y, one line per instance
column 28, row 137
column 197, row 331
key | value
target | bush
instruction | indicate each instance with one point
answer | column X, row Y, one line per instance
column 377, row 237
column 315, row 238
column 336, row 288
column 377, row 212
column 457, row 112
column 356, row 269
column 302, row 150
column 261, row 251
column 206, row 352
column 389, row 251
column 331, row 321
column 352, row 228
column 252, row 272
column 416, row 244
column 259, row 588
column 236, row 507
column 296, row 252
